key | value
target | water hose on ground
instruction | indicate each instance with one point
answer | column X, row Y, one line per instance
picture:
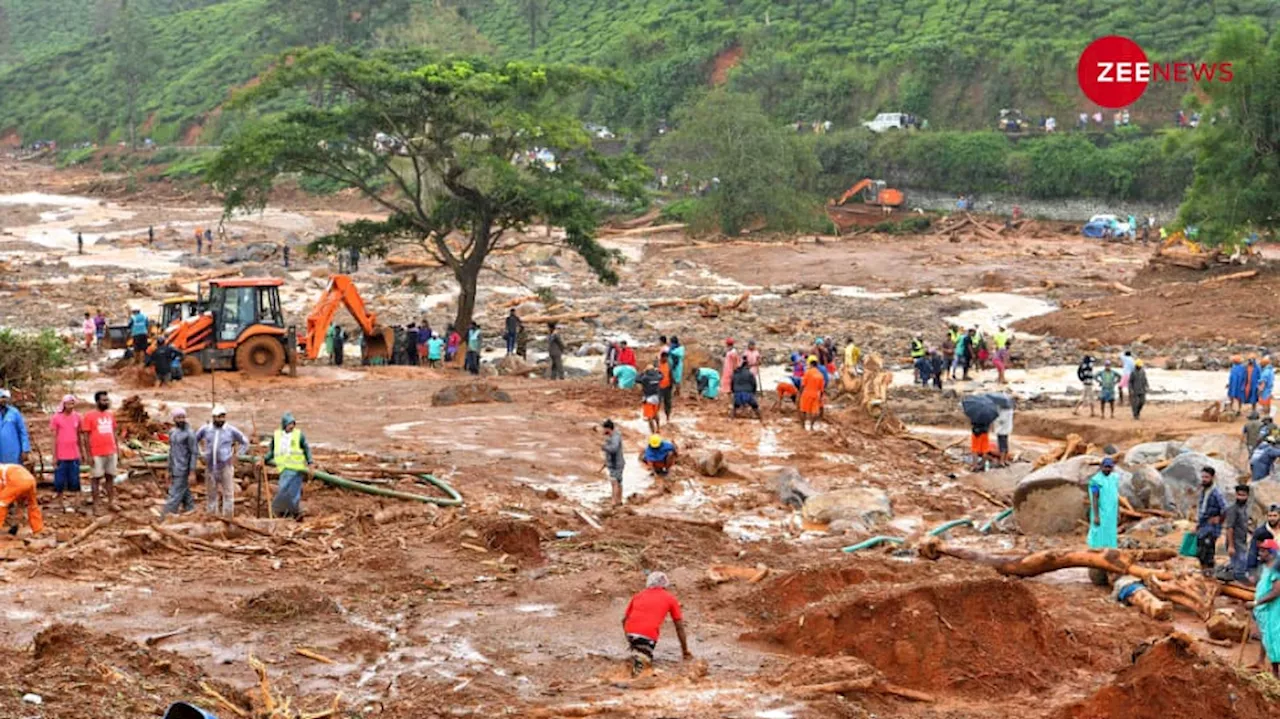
column 873, row 542
column 454, row 499
column 991, row 523
column 945, row 527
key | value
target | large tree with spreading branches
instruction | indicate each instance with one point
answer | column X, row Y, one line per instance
column 447, row 148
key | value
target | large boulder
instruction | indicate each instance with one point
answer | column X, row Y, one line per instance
column 516, row 365
column 1145, row 489
column 861, row 507
column 1051, row 500
column 1151, row 452
column 1226, row 447
column 1002, row 481
column 1262, row 494
column 1182, row 478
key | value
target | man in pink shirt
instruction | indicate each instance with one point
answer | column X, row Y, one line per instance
column 752, row 359
column 65, row 426
column 731, row 362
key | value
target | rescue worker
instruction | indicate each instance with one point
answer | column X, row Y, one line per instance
column 918, row 352
column 745, row 388
column 1266, row 611
column 289, row 453
column 811, row 388
column 614, row 460
column 182, row 462
column 659, row 456
column 15, row 442
column 677, row 363
column 220, row 440
column 555, row 352
column 1138, row 387
column 651, row 395
column 731, row 361
column 643, row 619
column 707, row 381
column 18, row 485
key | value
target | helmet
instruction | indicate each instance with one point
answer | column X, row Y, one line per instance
column 655, row 440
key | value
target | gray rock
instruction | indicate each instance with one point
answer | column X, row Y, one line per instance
column 1004, row 480
column 1151, row 452
column 1051, row 499
column 590, row 349
column 1182, row 478
column 866, row 507
column 1226, row 447
column 253, row 252
column 1145, row 489
column 792, row 489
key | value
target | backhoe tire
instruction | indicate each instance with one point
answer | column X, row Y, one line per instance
column 261, row 356
column 191, row 367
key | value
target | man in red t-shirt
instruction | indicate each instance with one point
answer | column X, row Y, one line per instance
column 99, row 439
column 644, row 617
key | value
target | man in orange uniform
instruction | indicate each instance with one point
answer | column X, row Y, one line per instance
column 17, row 485
column 644, row 617
column 665, row 385
column 812, row 385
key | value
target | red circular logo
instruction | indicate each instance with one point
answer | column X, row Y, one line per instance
column 1113, row 71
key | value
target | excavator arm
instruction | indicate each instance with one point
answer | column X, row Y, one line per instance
column 340, row 293
column 858, row 186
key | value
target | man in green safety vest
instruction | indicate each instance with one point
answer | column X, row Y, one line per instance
column 290, row 454
column 917, row 351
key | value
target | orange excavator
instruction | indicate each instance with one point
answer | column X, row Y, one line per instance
column 873, row 192
column 242, row 329
column 342, row 292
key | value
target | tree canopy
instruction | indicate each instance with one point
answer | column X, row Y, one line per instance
column 458, row 152
column 1237, row 171
column 752, row 168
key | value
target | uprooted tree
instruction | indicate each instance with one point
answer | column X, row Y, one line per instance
column 455, row 152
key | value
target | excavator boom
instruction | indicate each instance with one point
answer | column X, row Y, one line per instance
column 858, row 186
column 340, row 293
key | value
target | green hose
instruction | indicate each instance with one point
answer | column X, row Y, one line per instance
column 948, row 526
column 453, row 500
column 989, row 524
column 868, row 543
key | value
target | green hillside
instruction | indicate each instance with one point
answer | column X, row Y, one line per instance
column 954, row 61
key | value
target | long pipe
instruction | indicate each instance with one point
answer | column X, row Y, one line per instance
column 868, row 543
column 453, row 500
column 989, row 524
column 945, row 527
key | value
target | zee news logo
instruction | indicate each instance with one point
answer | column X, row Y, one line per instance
column 1114, row 72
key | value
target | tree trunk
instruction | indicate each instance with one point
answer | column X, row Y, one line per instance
column 468, row 275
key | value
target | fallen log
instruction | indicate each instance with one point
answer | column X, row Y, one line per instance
column 871, row 685
column 518, row 301
column 550, row 319
column 1123, row 288
column 1097, row 315
column 1115, row 561
column 1123, row 323
column 606, row 232
column 1229, row 278
column 640, row 221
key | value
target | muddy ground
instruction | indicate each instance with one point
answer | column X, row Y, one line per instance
column 511, row 604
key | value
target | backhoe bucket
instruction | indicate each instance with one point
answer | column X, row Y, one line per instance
column 378, row 345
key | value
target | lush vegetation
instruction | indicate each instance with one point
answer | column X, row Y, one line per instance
column 751, row 170
column 443, row 134
column 1117, row 167
column 954, row 61
column 1237, row 167
column 30, row 360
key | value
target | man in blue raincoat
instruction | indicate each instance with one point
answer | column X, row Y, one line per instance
column 15, row 443
column 1104, row 506
column 289, row 453
column 1235, row 384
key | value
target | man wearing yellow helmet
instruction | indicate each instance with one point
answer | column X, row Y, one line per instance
column 659, row 456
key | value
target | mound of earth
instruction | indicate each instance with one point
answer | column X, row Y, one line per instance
column 468, row 393
column 508, row 536
column 78, row 673
column 978, row 638
column 285, row 603
column 1170, row 681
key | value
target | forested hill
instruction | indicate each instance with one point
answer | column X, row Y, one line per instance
column 70, row 69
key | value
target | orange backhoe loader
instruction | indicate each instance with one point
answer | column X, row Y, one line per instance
column 341, row 292
column 242, row 329
column 873, row 192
